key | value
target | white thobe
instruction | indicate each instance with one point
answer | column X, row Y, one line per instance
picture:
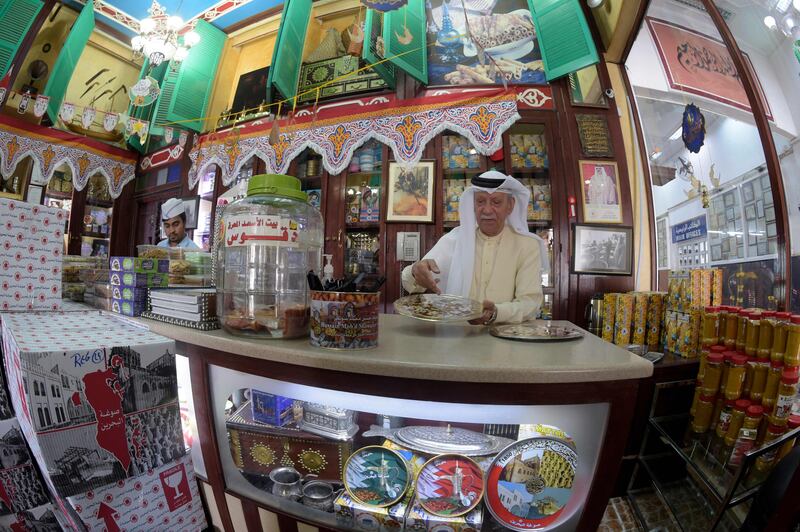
column 506, row 271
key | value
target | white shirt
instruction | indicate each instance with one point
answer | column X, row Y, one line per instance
column 506, row 271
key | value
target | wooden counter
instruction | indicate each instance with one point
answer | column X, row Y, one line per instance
column 414, row 349
column 580, row 385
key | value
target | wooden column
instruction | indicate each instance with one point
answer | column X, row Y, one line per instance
column 123, row 223
column 749, row 82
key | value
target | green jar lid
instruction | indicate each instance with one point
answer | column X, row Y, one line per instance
column 276, row 185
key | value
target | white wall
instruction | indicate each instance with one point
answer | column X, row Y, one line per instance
column 732, row 146
column 778, row 78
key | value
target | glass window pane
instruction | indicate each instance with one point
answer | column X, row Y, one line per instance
column 679, row 58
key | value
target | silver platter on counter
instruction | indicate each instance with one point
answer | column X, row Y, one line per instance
column 438, row 307
column 442, row 440
column 535, row 332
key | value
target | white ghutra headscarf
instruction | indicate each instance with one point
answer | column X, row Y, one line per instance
column 459, row 275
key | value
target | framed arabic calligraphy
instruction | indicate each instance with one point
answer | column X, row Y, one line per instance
column 699, row 64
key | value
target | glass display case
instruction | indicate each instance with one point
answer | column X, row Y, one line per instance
column 363, row 210
column 327, row 457
column 530, row 165
column 59, row 194
column 97, row 216
column 697, row 486
column 460, row 161
column 205, row 189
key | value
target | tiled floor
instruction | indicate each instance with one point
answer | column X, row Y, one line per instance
column 619, row 517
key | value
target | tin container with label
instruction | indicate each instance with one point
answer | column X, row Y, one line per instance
column 328, row 421
column 344, row 320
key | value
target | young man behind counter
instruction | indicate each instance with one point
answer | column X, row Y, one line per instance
column 173, row 218
column 491, row 256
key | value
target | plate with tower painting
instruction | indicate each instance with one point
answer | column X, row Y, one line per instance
column 376, row 476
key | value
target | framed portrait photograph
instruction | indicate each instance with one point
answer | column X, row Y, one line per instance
column 602, row 249
column 192, row 205
column 750, row 212
column 410, row 197
column 600, row 192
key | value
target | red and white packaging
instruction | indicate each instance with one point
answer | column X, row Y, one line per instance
column 165, row 498
column 45, row 518
column 31, row 247
column 20, row 487
column 95, row 397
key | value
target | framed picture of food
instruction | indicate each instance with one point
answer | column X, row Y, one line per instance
column 461, row 35
column 410, row 196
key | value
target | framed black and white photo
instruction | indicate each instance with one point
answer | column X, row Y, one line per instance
column 602, row 249
column 191, row 205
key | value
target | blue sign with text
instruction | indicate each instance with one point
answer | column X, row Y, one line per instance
column 689, row 230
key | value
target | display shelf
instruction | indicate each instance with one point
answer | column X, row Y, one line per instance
column 650, row 509
column 99, row 203
column 96, row 235
column 363, row 225
column 540, row 223
column 548, row 290
column 530, row 171
column 462, row 171
column 683, row 497
column 58, row 195
column 701, row 455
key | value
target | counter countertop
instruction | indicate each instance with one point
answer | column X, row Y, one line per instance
column 415, row 349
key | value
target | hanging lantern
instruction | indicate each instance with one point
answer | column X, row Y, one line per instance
column 384, row 5
column 694, row 128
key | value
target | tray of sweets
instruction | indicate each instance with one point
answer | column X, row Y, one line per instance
column 438, row 307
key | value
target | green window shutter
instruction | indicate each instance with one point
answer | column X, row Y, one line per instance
column 284, row 71
column 563, row 35
column 373, row 28
column 411, row 57
column 186, row 93
column 17, row 17
column 160, row 110
column 74, row 44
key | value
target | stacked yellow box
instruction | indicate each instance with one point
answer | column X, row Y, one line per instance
column 716, row 288
column 641, row 302
column 609, row 315
column 623, row 319
column 655, row 318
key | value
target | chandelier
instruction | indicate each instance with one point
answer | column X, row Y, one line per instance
column 159, row 37
column 782, row 17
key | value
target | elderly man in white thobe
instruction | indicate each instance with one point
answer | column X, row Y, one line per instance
column 491, row 256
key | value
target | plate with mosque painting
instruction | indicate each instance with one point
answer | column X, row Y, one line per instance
column 530, row 482
column 438, row 307
column 535, row 332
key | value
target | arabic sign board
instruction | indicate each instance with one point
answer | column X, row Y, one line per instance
column 241, row 230
column 689, row 230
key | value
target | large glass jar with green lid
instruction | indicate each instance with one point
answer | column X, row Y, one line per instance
column 269, row 240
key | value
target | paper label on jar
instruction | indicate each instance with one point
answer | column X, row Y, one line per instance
column 783, row 406
column 745, row 442
column 724, row 420
column 258, row 229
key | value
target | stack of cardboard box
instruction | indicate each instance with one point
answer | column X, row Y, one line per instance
column 96, row 399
